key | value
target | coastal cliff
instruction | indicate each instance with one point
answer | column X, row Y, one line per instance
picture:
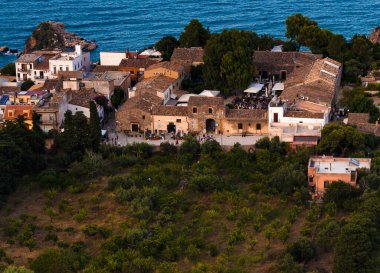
column 375, row 36
column 52, row 35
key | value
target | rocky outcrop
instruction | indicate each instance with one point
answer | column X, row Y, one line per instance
column 52, row 35
column 375, row 36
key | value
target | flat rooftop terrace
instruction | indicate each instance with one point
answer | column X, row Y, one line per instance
column 339, row 165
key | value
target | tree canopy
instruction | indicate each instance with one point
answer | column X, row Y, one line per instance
column 228, row 61
column 166, row 46
column 194, row 35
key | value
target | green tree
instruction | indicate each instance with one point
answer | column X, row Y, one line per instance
column 26, row 85
column 95, row 128
column 295, row 23
column 228, row 61
column 336, row 47
column 353, row 250
column 302, row 250
column 362, row 49
column 340, row 192
column 75, row 137
column 8, row 70
column 58, row 261
column 194, row 35
column 117, row 97
column 166, row 46
column 340, row 139
column 357, row 102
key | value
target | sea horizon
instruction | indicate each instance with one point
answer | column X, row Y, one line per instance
column 117, row 26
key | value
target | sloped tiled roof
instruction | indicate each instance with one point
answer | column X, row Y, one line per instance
column 192, row 54
column 167, row 65
column 138, row 63
column 162, row 110
column 83, row 97
column 357, row 118
column 156, row 83
column 202, row 100
column 254, row 114
column 303, row 114
column 104, row 68
column 142, row 101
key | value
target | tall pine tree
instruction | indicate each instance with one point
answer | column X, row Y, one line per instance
column 95, row 128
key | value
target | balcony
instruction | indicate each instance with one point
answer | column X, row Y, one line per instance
column 23, row 69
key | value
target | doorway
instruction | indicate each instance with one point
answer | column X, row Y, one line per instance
column 210, row 125
column 171, row 128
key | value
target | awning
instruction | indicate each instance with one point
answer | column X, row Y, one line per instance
column 279, row 86
column 254, row 88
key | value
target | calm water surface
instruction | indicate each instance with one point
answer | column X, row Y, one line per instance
column 121, row 24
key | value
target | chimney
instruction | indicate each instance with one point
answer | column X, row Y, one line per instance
column 78, row 49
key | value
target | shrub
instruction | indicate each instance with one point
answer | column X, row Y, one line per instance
column 340, row 193
column 81, row 215
column 94, row 230
column 12, row 226
column 302, row 250
column 237, row 236
column 167, row 148
column 119, row 181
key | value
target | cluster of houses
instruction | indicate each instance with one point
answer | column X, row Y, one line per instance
column 293, row 97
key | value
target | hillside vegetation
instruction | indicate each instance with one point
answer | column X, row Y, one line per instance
column 199, row 209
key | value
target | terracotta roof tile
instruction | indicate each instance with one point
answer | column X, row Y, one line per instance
column 156, row 84
column 357, row 118
column 83, row 97
column 304, row 114
column 167, row 65
column 192, row 54
column 104, row 68
column 246, row 114
column 162, row 110
column 139, row 63
column 202, row 100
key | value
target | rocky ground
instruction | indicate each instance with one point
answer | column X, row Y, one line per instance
column 72, row 39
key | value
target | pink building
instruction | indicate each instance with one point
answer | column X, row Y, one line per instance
column 324, row 170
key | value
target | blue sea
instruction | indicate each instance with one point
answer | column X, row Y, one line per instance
column 120, row 24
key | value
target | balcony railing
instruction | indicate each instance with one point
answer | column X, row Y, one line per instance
column 23, row 70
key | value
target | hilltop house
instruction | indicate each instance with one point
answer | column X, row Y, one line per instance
column 42, row 65
column 324, row 170
column 304, row 99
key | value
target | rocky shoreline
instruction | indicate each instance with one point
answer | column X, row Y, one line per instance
column 72, row 39
column 52, row 35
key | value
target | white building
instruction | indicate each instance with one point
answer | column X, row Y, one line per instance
column 42, row 65
column 112, row 58
column 70, row 61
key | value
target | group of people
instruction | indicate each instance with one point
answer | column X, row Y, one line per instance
column 246, row 102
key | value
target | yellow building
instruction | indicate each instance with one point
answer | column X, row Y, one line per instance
column 168, row 69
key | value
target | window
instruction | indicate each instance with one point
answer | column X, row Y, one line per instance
column 67, row 68
column 132, row 72
column 10, row 114
column 210, row 110
column 240, row 126
column 143, row 117
column 30, row 66
column 258, row 126
column 326, row 184
column 311, row 179
column 195, row 110
column 60, row 68
column 178, row 120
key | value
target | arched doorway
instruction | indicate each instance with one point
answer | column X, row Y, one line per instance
column 210, row 125
column 171, row 127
